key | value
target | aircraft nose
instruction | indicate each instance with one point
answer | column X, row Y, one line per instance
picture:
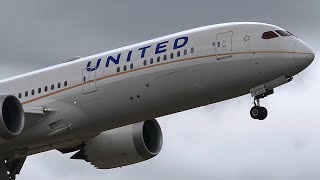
column 303, row 55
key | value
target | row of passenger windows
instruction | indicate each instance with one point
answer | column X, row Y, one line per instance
column 125, row 68
column 165, row 57
column 45, row 89
column 158, row 59
column 272, row 34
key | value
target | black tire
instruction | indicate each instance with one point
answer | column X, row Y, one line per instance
column 263, row 113
column 255, row 112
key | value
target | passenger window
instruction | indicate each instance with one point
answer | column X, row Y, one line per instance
column 145, row 62
column 118, row 69
column 65, row 84
column 20, row 95
column 151, row 61
column 84, row 79
column 131, row 66
column 52, row 87
column 46, row 88
column 26, row 94
column 192, row 50
column 125, row 68
column 178, row 53
column 39, row 90
column 164, row 57
column 171, row 56
column 158, row 58
column 269, row 35
column 32, row 92
column 59, row 85
column 283, row 33
column 185, row 52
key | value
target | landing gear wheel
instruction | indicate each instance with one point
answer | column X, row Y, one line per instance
column 255, row 112
column 259, row 113
column 263, row 113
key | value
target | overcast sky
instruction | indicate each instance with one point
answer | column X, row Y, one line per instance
column 219, row 141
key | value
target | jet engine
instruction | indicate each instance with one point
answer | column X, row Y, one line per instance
column 11, row 117
column 123, row 146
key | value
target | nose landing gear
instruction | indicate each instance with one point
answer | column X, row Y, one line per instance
column 262, row 91
column 258, row 112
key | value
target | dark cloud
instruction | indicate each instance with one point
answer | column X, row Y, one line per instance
column 219, row 141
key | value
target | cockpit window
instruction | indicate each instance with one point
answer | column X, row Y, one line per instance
column 283, row 33
column 269, row 35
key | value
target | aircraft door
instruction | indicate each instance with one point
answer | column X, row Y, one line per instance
column 89, row 82
column 224, row 45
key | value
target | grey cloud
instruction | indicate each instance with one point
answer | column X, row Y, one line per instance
column 47, row 32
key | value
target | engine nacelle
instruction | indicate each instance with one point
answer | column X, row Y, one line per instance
column 11, row 117
column 123, row 146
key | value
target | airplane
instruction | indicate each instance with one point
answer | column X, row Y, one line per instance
column 103, row 108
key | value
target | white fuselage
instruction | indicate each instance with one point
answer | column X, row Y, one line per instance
column 148, row 80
